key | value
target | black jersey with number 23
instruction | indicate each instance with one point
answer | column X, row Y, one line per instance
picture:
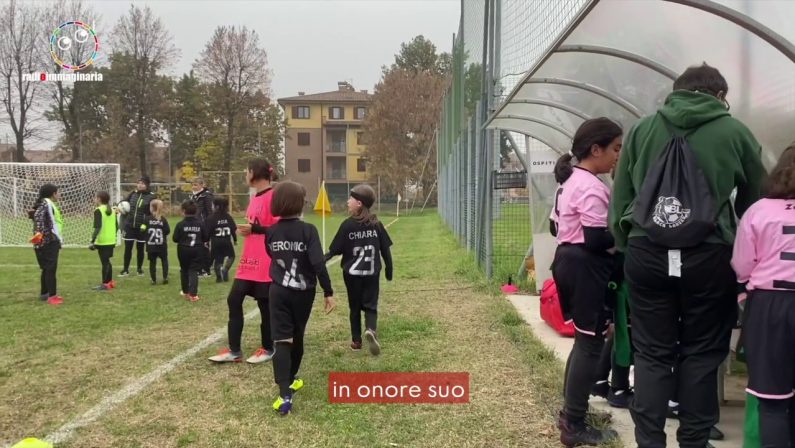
column 361, row 246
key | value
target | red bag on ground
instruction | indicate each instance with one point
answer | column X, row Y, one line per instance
column 551, row 312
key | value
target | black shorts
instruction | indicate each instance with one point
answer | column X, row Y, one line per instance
column 290, row 311
column 222, row 250
column 582, row 279
column 769, row 332
column 133, row 234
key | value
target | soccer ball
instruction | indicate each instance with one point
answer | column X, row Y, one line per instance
column 124, row 207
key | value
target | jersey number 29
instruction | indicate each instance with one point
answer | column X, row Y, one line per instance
column 155, row 237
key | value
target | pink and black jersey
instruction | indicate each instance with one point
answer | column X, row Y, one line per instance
column 764, row 250
column 254, row 261
column 581, row 202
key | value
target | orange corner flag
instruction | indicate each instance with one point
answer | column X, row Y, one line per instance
column 322, row 205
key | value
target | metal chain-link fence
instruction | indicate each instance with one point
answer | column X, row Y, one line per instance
column 485, row 190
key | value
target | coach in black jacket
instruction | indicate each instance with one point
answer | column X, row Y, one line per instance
column 203, row 198
column 134, row 229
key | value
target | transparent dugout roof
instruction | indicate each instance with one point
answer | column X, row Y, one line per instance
column 621, row 58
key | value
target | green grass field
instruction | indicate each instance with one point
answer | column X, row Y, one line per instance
column 438, row 314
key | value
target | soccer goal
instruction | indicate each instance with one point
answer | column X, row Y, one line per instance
column 78, row 184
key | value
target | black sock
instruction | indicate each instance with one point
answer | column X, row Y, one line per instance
column 282, row 361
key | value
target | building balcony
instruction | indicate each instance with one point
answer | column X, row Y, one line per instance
column 336, row 174
column 338, row 147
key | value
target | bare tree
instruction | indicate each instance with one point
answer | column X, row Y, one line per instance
column 235, row 66
column 148, row 47
column 21, row 49
column 66, row 107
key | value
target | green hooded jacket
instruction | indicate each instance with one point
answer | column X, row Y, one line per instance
column 726, row 151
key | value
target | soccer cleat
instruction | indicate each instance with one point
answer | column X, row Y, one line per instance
column 111, row 284
column 260, row 356
column 225, row 274
column 102, row 287
column 226, row 355
column 372, row 342
column 283, row 405
column 582, row 434
column 140, row 273
column 55, row 300
column 44, row 297
column 620, row 398
column 600, row 389
column 297, row 385
column 356, row 346
column 716, row 434
column 193, row 298
column 124, row 273
column 165, row 281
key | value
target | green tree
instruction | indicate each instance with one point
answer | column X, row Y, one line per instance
column 189, row 123
column 419, row 56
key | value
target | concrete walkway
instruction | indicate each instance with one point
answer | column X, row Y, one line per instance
column 732, row 413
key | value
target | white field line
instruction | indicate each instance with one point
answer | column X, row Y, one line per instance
column 108, row 403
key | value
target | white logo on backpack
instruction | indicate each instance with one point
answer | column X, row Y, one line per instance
column 669, row 214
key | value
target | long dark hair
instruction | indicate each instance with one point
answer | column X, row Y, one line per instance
column 781, row 182
column 262, row 169
column 596, row 131
column 220, row 206
column 45, row 192
column 104, row 199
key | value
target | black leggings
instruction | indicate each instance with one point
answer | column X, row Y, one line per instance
column 105, row 254
column 139, row 249
column 581, row 374
column 777, row 423
column 259, row 291
column 362, row 297
column 47, row 256
column 290, row 311
column 607, row 363
column 163, row 256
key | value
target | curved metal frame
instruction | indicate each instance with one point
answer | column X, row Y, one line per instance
column 776, row 40
column 554, row 105
column 621, row 54
column 554, row 126
column 631, row 108
column 511, row 129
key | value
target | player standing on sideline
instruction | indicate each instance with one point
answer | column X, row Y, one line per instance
column 297, row 267
column 190, row 235
column 203, row 198
column 223, row 237
column 103, row 240
column 135, row 225
column 47, row 239
column 362, row 240
column 764, row 260
column 157, row 232
column 253, row 276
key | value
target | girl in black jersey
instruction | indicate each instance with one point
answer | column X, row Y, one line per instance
column 362, row 241
column 157, row 231
column 223, row 238
column 297, row 265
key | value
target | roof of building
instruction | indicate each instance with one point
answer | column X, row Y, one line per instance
column 344, row 94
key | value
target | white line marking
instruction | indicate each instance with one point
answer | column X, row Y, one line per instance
column 107, row 404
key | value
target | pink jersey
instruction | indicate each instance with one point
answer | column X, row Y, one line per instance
column 255, row 263
column 580, row 202
column 764, row 251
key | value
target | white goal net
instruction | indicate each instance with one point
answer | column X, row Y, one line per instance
column 78, row 184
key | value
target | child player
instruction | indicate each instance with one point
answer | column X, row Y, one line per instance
column 157, row 240
column 190, row 236
column 223, row 237
column 297, row 266
column 103, row 240
column 362, row 241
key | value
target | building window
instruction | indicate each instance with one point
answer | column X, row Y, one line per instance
column 303, row 139
column 336, row 113
column 360, row 112
column 360, row 138
column 361, row 165
column 303, row 166
column 301, row 112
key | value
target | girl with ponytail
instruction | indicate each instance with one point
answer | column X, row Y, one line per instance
column 47, row 230
column 584, row 266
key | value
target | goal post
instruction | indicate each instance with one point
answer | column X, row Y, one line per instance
column 78, row 184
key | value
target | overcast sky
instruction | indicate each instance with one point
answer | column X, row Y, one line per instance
column 311, row 44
